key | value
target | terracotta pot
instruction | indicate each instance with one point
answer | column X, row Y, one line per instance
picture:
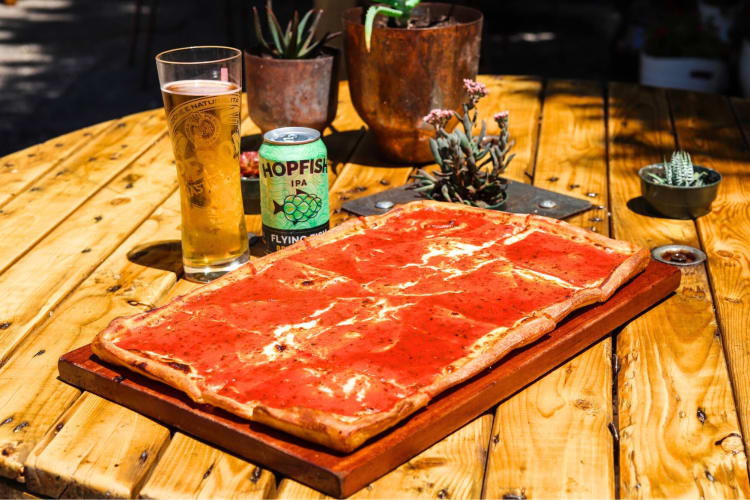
column 409, row 72
column 292, row 92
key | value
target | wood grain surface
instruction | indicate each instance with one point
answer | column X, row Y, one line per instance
column 563, row 418
column 33, row 213
column 76, row 246
column 97, row 450
column 64, row 273
column 18, row 171
column 117, row 287
column 193, row 469
column 676, row 409
column 707, row 128
column 452, row 468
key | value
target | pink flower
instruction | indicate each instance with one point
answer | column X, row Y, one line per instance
column 438, row 117
column 475, row 90
column 502, row 115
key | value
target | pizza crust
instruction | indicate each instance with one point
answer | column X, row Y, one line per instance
column 345, row 433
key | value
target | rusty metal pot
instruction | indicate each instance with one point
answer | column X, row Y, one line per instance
column 292, row 92
column 409, row 72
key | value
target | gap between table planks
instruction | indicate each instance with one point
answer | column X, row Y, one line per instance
column 678, row 424
column 86, row 429
column 562, row 418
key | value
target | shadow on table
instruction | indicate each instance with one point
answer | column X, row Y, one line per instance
column 164, row 255
column 167, row 255
column 640, row 206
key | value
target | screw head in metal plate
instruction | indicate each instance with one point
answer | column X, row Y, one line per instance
column 547, row 204
column 384, row 204
column 678, row 255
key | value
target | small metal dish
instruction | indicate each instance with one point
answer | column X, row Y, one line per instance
column 678, row 255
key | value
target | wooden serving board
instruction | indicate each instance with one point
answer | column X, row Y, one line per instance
column 342, row 474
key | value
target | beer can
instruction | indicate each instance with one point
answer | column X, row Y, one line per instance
column 293, row 164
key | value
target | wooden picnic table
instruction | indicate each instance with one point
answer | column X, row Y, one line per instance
column 661, row 408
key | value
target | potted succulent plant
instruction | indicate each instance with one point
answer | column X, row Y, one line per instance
column 292, row 79
column 683, row 53
column 470, row 165
column 404, row 59
column 679, row 189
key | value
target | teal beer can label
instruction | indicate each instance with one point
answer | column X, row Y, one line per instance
column 293, row 186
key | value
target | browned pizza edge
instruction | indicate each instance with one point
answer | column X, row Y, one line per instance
column 333, row 430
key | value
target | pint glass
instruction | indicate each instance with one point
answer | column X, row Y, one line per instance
column 201, row 90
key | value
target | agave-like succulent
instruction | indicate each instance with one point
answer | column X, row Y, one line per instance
column 470, row 166
column 400, row 10
column 679, row 172
column 297, row 41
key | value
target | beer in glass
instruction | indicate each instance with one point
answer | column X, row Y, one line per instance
column 201, row 90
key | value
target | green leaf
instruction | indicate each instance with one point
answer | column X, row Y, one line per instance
column 275, row 28
column 306, row 48
column 370, row 19
column 468, row 126
column 435, row 152
column 301, row 26
column 291, row 36
column 463, row 140
column 656, row 178
column 314, row 47
column 446, row 194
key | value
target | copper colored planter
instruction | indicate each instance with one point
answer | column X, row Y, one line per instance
column 292, row 92
column 409, row 72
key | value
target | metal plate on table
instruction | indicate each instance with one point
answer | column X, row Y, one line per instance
column 522, row 199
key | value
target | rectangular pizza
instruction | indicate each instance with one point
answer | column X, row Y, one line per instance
column 342, row 335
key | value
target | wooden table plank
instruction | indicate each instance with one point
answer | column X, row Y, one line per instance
column 27, row 218
column 101, row 450
column 92, row 420
column 706, row 128
column 521, row 97
column 452, row 468
column 117, row 287
column 675, row 399
column 45, row 275
column 551, row 440
column 172, row 477
column 192, row 469
column 20, row 170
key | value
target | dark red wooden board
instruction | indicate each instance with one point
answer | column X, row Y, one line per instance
column 343, row 474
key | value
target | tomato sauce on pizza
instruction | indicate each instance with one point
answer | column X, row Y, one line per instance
column 343, row 333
